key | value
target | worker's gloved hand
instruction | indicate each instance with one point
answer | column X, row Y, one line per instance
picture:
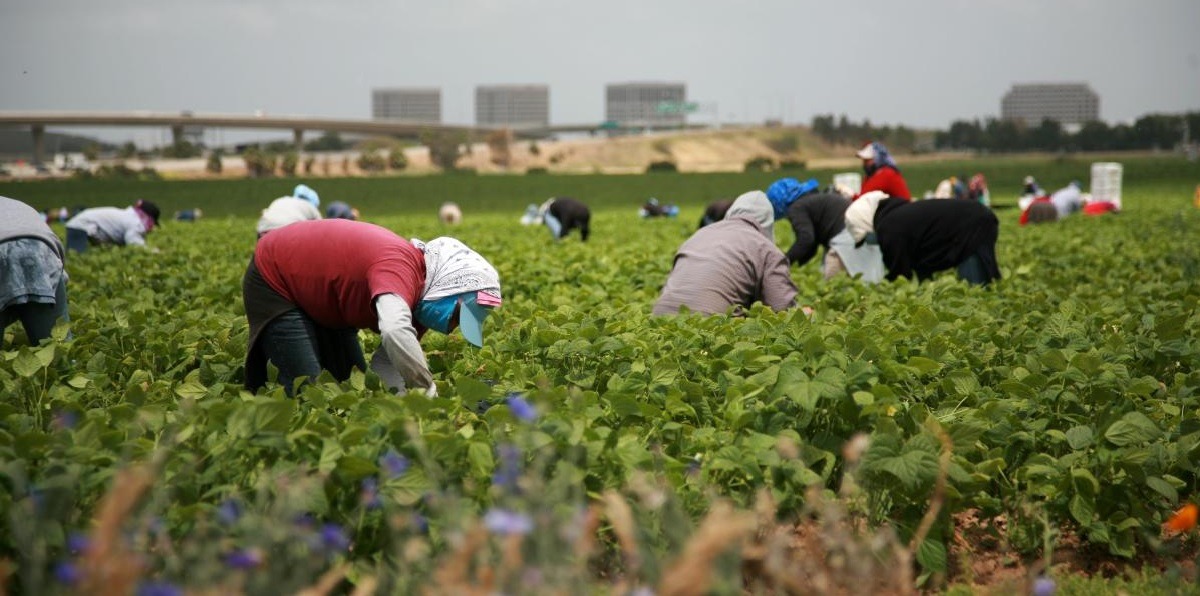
column 431, row 391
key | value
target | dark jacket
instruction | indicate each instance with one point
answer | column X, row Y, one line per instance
column 929, row 236
column 571, row 214
column 816, row 218
column 715, row 212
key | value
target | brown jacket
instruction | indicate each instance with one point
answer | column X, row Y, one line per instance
column 727, row 264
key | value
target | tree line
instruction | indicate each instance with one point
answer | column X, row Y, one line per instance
column 1152, row 131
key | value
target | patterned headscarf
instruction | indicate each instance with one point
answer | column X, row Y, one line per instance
column 451, row 268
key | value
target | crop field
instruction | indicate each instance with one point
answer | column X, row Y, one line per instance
column 592, row 448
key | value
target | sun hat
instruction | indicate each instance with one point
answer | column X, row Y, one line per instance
column 302, row 191
column 867, row 152
column 475, row 307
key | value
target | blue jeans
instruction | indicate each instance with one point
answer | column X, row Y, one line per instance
column 77, row 240
column 972, row 271
column 299, row 347
column 38, row 319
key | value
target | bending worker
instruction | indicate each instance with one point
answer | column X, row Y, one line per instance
column 112, row 225
column 730, row 264
column 925, row 237
column 33, row 284
column 312, row 285
column 819, row 219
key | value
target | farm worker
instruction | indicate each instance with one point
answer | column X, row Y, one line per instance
column 301, row 205
column 944, row 190
column 730, row 264
column 977, row 190
column 341, row 210
column 312, row 285
column 189, row 214
column 925, row 237
column 450, row 214
column 1101, row 207
column 819, row 219
column 715, row 212
column 881, row 172
column 531, row 216
column 653, row 209
column 563, row 214
column 112, row 225
column 1039, row 210
column 1068, row 200
column 33, row 284
column 1030, row 187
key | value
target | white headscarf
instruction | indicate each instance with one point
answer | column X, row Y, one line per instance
column 452, row 269
column 860, row 216
column 756, row 206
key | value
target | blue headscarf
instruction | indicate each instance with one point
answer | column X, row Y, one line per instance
column 883, row 158
column 783, row 192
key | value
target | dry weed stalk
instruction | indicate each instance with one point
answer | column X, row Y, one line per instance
column 621, row 516
column 107, row 566
column 326, row 583
column 453, row 576
column 691, row 573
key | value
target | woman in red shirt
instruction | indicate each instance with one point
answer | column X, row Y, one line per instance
column 313, row 284
column 882, row 173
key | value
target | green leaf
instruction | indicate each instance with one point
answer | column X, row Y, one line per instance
column 408, row 488
column 924, row 365
column 353, row 468
column 1083, row 509
column 1132, row 428
column 479, row 455
column 1163, row 488
column 1080, row 437
column 471, row 390
column 191, row 390
column 27, row 364
column 331, row 453
column 931, row 554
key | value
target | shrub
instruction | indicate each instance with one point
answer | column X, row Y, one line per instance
column 289, row 163
column 308, row 164
column 662, row 165
column 396, row 159
column 760, row 163
column 214, row 165
column 370, row 161
column 536, row 170
column 792, row 164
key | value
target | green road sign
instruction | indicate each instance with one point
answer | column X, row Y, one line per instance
column 677, row 107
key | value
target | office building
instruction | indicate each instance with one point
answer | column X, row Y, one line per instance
column 1069, row 104
column 512, row 106
column 645, row 104
column 422, row 105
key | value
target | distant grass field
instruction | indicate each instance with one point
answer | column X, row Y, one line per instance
column 396, row 195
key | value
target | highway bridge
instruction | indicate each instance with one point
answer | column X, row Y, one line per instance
column 178, row 122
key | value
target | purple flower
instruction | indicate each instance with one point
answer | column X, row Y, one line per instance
column 509, row 470
column 521, row 408
column 503, row 521
column 66, row 573
column 159, row 589
column 393, row 464
column 369, row 495
column 419, row 522
column 333, row 538
column 247, row 558
column 304, row 521
column 77, row 543
column 229, row 511
column 65, row 420
column 1043, row 586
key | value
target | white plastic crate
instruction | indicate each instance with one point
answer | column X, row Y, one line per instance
column 1106, row 182
column 851, row 180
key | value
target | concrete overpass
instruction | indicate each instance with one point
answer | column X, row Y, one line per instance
column 177, row 122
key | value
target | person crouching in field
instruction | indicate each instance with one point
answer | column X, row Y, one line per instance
column 449, row 214
column 341, row 210
column 112, row 225
column 33, row 284
column 730, row 264
column 302, row 205
column 312, row 285
column 881, row 172
column 715, row 212
column 925, row 237
column 819, row 219
column 563, row 214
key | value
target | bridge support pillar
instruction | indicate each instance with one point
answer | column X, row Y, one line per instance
column 39, row 143
column 176, row 134
column 298, row 139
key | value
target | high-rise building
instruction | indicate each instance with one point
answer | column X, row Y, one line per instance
column 1069, row 104
column 513, row 106
column 642, row 104
column 422, row 105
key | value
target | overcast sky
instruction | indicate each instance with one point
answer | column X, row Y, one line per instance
column 921, row 63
